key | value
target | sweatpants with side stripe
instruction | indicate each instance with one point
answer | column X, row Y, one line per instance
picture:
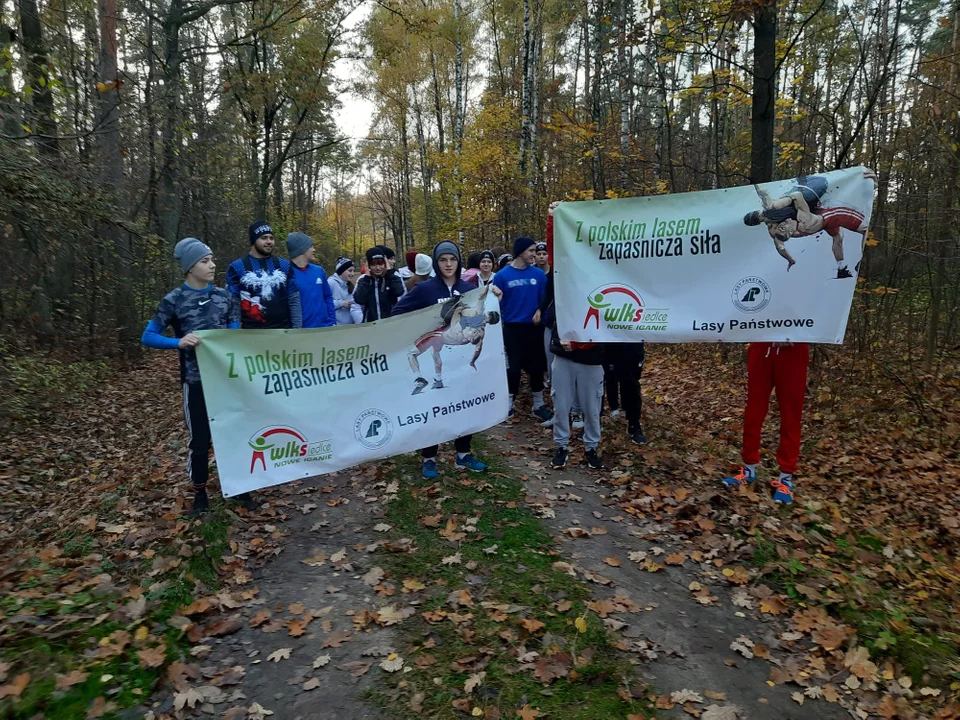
column 198, row 434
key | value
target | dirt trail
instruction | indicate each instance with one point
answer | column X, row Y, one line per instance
column 684, row 645
column 691, row 641
column 294, row 688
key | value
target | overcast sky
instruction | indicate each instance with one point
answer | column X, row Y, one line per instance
column 353, row 119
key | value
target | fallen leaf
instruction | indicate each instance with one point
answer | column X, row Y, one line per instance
column 152, row 657
column 356, row 668
column 612, row 561
column 312, row 684
column 474, row 681
column 392, row 663
column 528, row 713
column 374, row 576
column 336, row 639
column 279, row 654
column 68, row 680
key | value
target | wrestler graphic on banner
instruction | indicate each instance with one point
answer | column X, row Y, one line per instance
column 802, row 212
column 465, row 323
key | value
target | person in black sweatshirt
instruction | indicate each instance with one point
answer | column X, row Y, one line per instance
column 379, row 291
column 446, row 285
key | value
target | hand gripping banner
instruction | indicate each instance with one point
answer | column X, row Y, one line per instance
column 771, row 262
column 289, row 404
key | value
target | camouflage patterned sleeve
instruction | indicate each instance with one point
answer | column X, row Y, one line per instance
column 166, row 311
column 293, row 298
column 233, row 315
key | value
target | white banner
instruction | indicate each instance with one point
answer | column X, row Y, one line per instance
column 290, row 404
column 775, row 262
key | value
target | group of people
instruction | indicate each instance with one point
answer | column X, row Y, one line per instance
column 266, row 291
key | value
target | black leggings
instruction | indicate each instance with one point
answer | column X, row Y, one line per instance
column 462, row 445
column 623, row 366
column 198, row 434
column 523, row 343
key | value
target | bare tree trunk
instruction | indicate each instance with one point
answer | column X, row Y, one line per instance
column 623, row 90
column 763, row 111
column 525, row 88
column 11, row 124
column 458, row 121
column 43, row 123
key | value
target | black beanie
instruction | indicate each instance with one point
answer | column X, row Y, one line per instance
column 521, row 244
column 388, row 253
column 377, row 251
column 258, row 230
column 489, row 255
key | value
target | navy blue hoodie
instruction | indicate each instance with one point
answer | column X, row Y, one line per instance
column 435, row 290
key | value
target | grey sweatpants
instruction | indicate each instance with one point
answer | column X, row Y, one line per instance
column 580, row 385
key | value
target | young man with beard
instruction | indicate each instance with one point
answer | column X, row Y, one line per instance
column 439, row 289
column 195, row 305
column 523, row 286
column 264, row 285
column 379, row 291
column 316, row 299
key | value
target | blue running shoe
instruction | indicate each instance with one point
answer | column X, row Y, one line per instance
column 430, row 469
column 744, row 477
column 469, row 462
column 543, row 412
column 783, row 491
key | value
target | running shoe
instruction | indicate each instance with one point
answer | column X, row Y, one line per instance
column 437, row 384
column 548, row 423
column 636, row 435
column 247, row 502
column 201, row 503
column 616, row 413
column 577, row 421
column 419, row 386
column 744, row 477
column 543, row 412
column 560, row 459
column 782, row 491
column 430, row 471
column 843, row 273
column 469, row 462
column 593, row 460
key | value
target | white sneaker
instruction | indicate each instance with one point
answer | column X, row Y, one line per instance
column 616, row 413
column 577, row 423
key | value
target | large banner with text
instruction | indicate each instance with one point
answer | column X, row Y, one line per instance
column 770, row 262
column 290, row 404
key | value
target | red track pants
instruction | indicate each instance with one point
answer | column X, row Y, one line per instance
column 785, row 369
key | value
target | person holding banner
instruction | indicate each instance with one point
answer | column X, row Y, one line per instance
column 316, row 298
column 195, row 305
column 379, row 291
column 444, row 286
column 782, row 366
column 523, row 286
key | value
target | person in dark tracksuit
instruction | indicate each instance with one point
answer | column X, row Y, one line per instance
column 445, row 285
column 195, row 305
column 623, row 366
column 379, row 291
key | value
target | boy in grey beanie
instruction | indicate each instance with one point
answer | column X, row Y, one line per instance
column 195, row 305
column 316, row 299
